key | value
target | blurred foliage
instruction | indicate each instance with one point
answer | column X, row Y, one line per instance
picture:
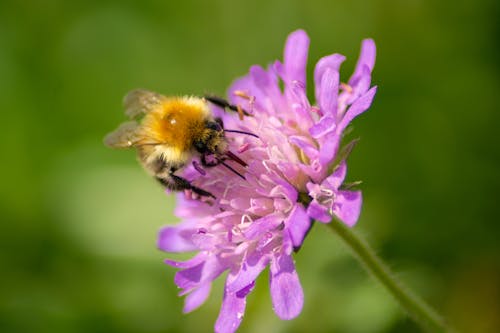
column 79, row 221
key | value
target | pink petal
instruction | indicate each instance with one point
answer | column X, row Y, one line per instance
column 331, row 62
column 329, row 146
column 248, row 273
column 318, row 212
column 266, row 82
column 197, row 297
column 348, row 206
column 334, row 181
column 305, row 145
column 190, row 208
column 196, row 260
column 261, row 206
column 176, row 239
column 195, row 276
column 299, row 96
column 359, row 106
column 362, row 84
column 205, row 241
column 189, row 278
column 298, row 224
column 300, row 106
column 243, row 292
column 284, row 189
column 295, row 57
column 246, row 85
column 366, row 58
column 324, row 126
column 263, row 225
column 231, row 313
column 286, row 291
column 329, row 92
column 315, row 170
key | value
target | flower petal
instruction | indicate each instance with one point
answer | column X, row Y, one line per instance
column 329, row 92
column 269, row 96
column 366, row 58
column 305, row 146
column 195, row 276
column 284, row 189
column 324, row 126
column 298, row 224
column 250, row 269
column 300, row 105
column 348, row 206
column 187, row 208
column 286, row 291
column 176, row 239
column 295, row 57
column 329, row 147
column 197, row 297
column 331, row 62
column 334, row 181
column 359, row 106
column 231, row 312
column 243, row 292
column 246, row 86
column 263, row 225
column 196, row 260
column 189, row 278
column 318, row 212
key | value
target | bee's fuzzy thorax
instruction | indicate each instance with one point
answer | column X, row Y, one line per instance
column 177, row 121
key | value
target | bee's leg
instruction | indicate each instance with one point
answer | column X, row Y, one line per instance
column 218, row 161
column 176, row 183
column 209, row 164
column 219, row 101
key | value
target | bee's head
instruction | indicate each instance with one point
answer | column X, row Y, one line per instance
column 212, row 140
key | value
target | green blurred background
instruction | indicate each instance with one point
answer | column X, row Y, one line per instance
column 79, row 221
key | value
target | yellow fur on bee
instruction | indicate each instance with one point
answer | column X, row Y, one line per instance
column 177, row 122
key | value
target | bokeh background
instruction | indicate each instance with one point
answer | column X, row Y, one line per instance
column 79, row 221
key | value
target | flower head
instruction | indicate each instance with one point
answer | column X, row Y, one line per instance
column 295, row 174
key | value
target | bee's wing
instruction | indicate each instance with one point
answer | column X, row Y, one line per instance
column 125, row 136
column 140, row 101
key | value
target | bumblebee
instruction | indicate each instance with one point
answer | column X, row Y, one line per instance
column 168, row 131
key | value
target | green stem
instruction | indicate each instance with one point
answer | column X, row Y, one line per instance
column 414, row 306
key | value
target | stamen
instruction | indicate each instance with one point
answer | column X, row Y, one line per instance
column 326, row 192
column 315, row 109
column 240, row 112
column 243, row 148
column 242, row 94
column 346, row 87
column 246, row 219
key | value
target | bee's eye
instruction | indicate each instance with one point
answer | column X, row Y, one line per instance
column 214, row 126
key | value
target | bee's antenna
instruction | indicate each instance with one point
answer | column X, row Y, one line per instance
column 230, row 168
column 241, row 132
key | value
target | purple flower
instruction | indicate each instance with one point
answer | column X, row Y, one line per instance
column 295, row 174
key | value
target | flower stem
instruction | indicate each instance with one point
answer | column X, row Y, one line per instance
column 421, row 312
